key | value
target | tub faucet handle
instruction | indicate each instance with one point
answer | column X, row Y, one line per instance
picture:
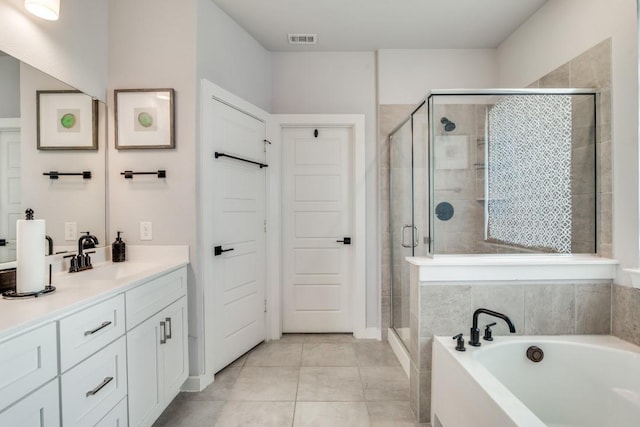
column 487, row 332
column 459, row 343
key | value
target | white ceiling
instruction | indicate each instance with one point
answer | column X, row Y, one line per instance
column 366, row 25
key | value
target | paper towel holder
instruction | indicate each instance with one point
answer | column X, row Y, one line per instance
column 16, row 295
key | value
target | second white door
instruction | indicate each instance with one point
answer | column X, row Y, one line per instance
column 317, row 229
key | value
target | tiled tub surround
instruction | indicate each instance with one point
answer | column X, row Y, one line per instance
column 542, row 307
column 625, row 311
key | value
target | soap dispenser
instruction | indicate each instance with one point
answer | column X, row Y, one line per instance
column 118, row 250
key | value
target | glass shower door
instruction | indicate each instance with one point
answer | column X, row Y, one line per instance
column 402, row 232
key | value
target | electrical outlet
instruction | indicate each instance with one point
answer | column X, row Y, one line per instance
column 146, row 230
column 70, row 231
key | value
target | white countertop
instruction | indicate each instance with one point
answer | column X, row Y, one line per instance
column 78, row 290
column 491, row 268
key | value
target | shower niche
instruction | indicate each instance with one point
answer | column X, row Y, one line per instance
column 508, row 171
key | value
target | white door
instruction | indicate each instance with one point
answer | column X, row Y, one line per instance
column 10, row 206
column 233, row 190
column 317, row 226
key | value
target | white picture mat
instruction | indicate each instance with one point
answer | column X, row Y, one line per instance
column 128, row 104
column 50, row 136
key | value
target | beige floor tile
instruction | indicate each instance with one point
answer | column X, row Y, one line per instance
column 258, row 414
column 189, row 413
column 391, row 414
column 328, row 354
column 337, row 384
column 275, row 354
column 330, row 338
column 292, row 339
column 219, row 389
column 375, row 354
column 329, row 414
column 385, row 383
column 265, row 384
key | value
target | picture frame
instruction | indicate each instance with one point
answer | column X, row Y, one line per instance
column 66, row 120
column 144, row 119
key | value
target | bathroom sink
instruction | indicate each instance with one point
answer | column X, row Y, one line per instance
column 114, row 271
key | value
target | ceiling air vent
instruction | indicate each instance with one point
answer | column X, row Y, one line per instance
column 303, row 38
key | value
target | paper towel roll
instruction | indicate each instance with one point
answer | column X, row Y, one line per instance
column 30, row 246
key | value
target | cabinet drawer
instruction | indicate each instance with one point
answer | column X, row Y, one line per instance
column 91, row 389
column 87, row 331
column 39, row 409
column 148, row 299
column 117, row 417
column 27, row 362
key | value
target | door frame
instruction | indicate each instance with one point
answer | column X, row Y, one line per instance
column 356, row 122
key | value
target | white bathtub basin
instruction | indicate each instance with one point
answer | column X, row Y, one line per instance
column 583, row 381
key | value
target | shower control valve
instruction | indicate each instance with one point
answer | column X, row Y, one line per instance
column 487, row 332
column 459, row 342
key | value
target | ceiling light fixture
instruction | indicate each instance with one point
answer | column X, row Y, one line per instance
column 45, row 9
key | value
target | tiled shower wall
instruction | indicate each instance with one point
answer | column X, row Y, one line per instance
column 592, row 69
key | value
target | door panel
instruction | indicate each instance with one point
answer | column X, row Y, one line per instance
column 317, row 209
column 234, row 212
column 10, row 193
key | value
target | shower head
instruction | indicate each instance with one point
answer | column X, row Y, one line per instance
column 448, row 124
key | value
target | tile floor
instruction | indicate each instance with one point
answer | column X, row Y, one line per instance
column 302, row 380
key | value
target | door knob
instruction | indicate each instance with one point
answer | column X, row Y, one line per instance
column 345, row 240
column 217, row 250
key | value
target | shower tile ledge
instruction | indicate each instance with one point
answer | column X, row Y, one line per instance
column 512, row 268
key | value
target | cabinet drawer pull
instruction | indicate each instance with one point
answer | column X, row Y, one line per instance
column 102, row 326
column 168, row 320
column 163, row 339
column 100, row 387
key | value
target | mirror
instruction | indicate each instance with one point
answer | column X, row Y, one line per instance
column 70, row 204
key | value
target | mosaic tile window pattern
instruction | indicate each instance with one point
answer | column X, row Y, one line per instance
column 528, row 183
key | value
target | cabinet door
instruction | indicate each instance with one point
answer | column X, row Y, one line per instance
column 144, row 367
column 39, row 409
column 176, row 361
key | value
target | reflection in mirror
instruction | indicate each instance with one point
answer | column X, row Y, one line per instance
column 70, row 205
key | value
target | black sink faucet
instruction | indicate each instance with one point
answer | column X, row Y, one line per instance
column 81, row 242
column 475, row 332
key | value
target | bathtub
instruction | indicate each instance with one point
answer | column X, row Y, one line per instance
column 582, row 381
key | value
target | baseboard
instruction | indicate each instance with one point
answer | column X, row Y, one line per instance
column 369, row 334
column 399, row 350
column 194, row 384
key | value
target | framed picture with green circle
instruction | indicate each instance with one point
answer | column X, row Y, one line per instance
column 144, row 118
column 66, row 120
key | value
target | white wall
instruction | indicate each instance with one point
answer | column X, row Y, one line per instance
column 558, row 32
column 9, row 87
column 337, row 82
column 152, row 44
column 405, row 76
column 229, row 57
column 72, row 49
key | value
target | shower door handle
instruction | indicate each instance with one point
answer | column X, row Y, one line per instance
column 415, row 236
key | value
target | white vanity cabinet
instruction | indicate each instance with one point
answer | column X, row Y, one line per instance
column 108, row 353
column 28, row 362
column 157, row 357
